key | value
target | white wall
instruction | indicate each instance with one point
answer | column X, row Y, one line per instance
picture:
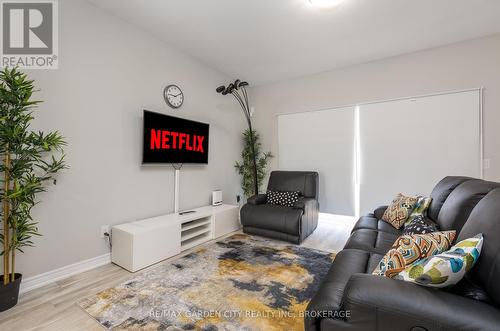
column 460, row 66
column 108, row 72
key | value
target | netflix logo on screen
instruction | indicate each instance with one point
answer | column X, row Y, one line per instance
column 169, row 139
column 163, row 139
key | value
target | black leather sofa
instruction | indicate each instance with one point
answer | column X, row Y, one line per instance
column 351, row 298
column 292, row 224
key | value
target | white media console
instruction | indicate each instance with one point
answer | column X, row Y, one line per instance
column 142, row 243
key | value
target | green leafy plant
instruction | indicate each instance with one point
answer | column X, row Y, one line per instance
column 246, row 167
column 28, row 163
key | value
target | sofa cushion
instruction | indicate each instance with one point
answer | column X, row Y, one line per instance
column 270, row 217
column 409, row 249
column 468, row 289
column 372, row 223
column 457, row 208
column 485, row 219
column 380, row 304
column 447, row 268
column 441, row 192
column 399, row 210
column 379, row 212
column 371, row 241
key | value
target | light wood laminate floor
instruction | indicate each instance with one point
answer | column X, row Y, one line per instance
column 53, row 307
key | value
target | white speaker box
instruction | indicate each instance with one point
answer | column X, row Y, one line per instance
column 217, row 198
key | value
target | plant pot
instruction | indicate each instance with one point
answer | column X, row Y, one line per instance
column 9, row 293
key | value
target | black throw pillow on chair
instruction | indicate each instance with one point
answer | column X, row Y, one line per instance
column 282, row 198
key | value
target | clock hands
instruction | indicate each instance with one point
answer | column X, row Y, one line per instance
column 175, row 96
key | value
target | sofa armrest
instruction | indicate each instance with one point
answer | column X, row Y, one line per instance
column 258, row 199
column 379, row 212
column 376, row 302
column 303, row 203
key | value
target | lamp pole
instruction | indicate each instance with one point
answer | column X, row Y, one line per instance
column 242, row 99
column 254, row 158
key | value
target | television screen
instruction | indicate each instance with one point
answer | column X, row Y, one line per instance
column 169, row 139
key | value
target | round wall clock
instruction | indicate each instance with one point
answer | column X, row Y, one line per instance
column 173, row 96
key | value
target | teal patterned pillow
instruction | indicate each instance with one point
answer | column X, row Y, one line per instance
column 420, row 209
column 447, row 268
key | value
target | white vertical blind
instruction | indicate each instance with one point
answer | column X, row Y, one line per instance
column 322, row 141
column 405, row 145
column 408, row 145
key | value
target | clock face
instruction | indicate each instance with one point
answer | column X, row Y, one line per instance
column 173, row 96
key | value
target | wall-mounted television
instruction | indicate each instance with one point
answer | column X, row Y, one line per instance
column 169, row 139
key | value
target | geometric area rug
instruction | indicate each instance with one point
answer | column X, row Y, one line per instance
column 239, row 283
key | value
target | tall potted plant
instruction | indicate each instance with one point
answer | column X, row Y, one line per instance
column 28, row 163
column 251, row 147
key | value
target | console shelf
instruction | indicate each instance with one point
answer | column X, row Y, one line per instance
column 195, row 241
column 196, row 223
column 194, row 232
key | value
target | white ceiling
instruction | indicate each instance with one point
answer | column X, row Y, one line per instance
column 264, row 41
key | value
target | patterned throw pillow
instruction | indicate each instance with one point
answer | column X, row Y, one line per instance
column 282, row 198
column 445, row 269
column 399, row 210
column 420, row 225
column 411, row 248
column 420, row 209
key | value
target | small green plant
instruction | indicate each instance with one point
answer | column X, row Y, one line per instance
column 28, row 163
column 246, row 167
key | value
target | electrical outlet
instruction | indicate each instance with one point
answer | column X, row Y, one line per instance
column 104, row 229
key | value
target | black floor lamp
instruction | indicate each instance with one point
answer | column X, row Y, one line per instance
column 235, row 89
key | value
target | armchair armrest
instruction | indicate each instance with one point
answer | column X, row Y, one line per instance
column 379, row 212
column 302, row 203
column 381, row 303
column 258, row 199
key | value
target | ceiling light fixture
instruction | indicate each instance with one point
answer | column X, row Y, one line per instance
column 325, row 3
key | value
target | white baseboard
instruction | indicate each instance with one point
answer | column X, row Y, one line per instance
column 52, row 276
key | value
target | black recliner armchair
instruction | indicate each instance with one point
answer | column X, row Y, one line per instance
column 292, row 224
